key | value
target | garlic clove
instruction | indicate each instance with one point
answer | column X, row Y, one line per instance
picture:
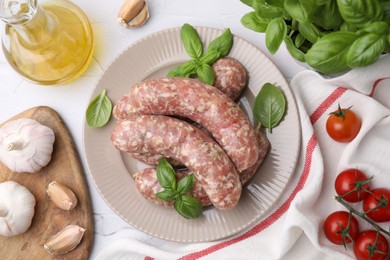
column 17, row 205
column 64, row 241
column 141, row 18
column 133, row 13
column 61, row 195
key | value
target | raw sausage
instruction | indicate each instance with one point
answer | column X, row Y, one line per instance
column 230, row 76
column 202, row 103
column 180, row 140
column 148, row 185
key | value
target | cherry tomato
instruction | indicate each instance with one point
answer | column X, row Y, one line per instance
column 366, row 240
column 343, row 125
column 335, row 223
column 381, row 214
column 347, row 180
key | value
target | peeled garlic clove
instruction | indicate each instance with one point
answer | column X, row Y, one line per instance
column 64, row 241
column 133, row 13
column 16, row 208
column 61, row 195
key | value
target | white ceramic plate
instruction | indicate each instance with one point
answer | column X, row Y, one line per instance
column 154, row 56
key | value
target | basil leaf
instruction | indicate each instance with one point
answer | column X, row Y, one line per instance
column 183, row 70
column 206, row 74
column 328, row 16
column 250, row 3
column 299, row 40
column 379, row 28
column 365, row 50
column 191, row 41
column 386, row 11
column 99, row 110
column 210, row 56
column 269, row 106
column 275, row 33
column 328, row 54
column 188, row 206
column 293, row 50
column 360, row 12
column 222, row 43
column 276, row 3
column 300, row 10
column 166, row 175
column 167, row 195
column 185, row 184
column 253, row 22
column 268, row 11
column 310, row 32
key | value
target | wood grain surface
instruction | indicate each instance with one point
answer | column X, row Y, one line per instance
column 64, row 167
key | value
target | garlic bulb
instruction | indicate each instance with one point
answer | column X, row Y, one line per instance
column 25, row 145
column 16, row 208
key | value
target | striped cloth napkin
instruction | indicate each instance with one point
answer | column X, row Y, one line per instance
column 308, row 198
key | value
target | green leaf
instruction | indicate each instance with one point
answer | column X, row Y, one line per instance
column 386, row 11
column 348, row 28
column 379, row 28
column 275, row 33
column 299, row 40
column 99, row 110
column 268, row 11
column 249, row 3
column 166, row 175
column 183, row 70
column 167, row 195
column 310, row 32
column 300, row 10
column 328, row 16
column 253, row 22
column 185, row 184
column 366, row 50
column 328, row 54
column 188, row 206
column 206, row 74
column 191, row 41
column 276, row 3
column 269, row 106
column 360, row 12
column 223, row 43
column 293, row 50
column 210, row 56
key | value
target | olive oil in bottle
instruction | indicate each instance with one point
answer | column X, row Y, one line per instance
column 49, row 43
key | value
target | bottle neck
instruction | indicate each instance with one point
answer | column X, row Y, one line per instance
column 32, row 23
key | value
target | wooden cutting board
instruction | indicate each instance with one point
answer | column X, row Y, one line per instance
column 64, row 167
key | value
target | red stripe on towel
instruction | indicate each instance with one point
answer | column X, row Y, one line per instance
column 375, row 85
column 326, row 104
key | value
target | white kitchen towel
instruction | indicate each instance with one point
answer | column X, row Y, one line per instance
column 308, row 198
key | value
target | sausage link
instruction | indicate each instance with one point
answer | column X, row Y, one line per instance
column 230, row 76
column 148, row 185
column 202, row 103
column 180, row 140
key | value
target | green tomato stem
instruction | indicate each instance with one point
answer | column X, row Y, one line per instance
column 362, row 216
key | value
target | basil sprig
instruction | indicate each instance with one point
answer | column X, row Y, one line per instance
column 269, row 106
column 99, row 110
column 201, row 62
column 185, row 205
column 331, row 36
